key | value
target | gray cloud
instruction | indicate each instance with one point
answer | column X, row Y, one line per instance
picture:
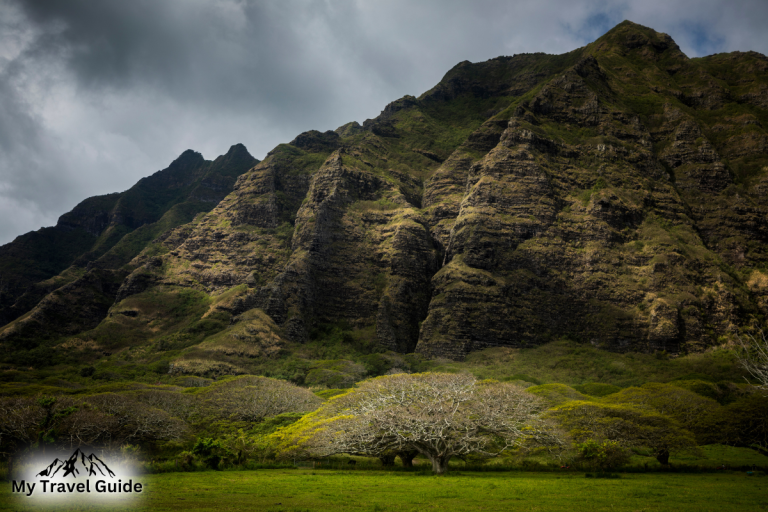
column 95, row 95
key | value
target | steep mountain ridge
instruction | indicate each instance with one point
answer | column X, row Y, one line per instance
column 613, row 195
column 105, row 233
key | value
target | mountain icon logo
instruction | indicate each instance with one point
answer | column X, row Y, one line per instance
column 91, row 464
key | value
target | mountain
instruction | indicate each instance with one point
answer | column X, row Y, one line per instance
column 614, row 195
column 90, row 246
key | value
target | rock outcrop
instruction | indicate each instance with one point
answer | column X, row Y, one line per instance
column 615, row 195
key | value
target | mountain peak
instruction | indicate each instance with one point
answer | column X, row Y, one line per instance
column 630, row 37
column 189, row 157
column 237, row 157
column 238, row 149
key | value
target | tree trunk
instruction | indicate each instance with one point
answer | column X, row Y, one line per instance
column 663, row 457
column 10, row 468
column 387, row 460
column 439, row 463
column 407, row 458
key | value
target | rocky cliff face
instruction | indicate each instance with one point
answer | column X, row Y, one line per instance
column 606, row 212
column 103, row 232
column 615, row 195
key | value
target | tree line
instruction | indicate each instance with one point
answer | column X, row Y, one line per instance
column 439, row 416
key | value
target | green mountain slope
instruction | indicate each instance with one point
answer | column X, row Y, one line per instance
column 613, row 195
column 105, row 233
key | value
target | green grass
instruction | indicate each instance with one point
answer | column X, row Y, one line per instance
column 714, row 455
column 134, row 242
column 300, row 490
column 572, row 363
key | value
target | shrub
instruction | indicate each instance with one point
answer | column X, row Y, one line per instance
column 597, row 389
column 209, row 451
column 605, row 456
column 161, row 367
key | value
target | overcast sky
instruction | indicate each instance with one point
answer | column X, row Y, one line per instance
column 95, row 94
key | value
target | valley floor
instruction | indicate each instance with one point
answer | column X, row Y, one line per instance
column 340, row 491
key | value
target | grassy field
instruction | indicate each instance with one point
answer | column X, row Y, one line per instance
column 339, row 491
column 572, row 363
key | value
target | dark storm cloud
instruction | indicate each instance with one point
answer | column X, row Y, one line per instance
column 28, row 158
column 227, row 55
column 96, row 94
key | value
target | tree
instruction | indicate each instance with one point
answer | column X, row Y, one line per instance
column 127, row 420
column 744, row 423
column 753, row 357
column 692, row 411
column 251, row 399
column 437, row 415
column 20, row 419
column 625, row 424
column 104, row 419
column 179, row 405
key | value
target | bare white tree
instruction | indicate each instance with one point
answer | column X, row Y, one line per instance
column 753, row 356
column 438, row 415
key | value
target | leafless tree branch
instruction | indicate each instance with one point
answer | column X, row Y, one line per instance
column 753, row 357
column 438, row 415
